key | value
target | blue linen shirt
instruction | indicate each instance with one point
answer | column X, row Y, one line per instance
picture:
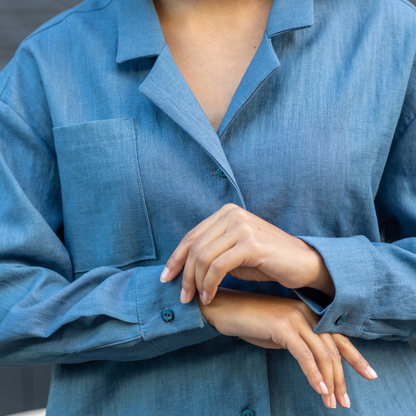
column 107, row 160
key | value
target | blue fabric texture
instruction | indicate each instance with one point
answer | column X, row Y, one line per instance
column 107, row 160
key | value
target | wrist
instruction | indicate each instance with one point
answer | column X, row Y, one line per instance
column 320, row 278
column 211, row 311
column 225, row 309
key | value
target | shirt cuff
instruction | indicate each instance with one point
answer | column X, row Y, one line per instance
column 351, row 266
column 162, row 315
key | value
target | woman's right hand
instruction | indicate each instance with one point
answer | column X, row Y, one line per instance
column 275, row 323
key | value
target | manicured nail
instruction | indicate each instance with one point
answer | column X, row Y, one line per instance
column 346, row 400
column 371, row 372
column 165, row 275
column 323, row 388
column 184, row 296
column 333, row 401
column 205, row 298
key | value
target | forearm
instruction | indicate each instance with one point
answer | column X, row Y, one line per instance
column 369, row 278
column 274, row 323
column 107, row 314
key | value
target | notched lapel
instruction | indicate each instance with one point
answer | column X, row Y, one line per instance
column 264, row 63
column 166, row 87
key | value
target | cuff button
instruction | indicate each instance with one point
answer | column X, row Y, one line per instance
column 342, row 319
column 168, row 316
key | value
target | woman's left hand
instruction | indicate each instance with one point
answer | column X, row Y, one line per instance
column 237, row 242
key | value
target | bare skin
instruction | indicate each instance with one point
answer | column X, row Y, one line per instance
column 275, row 323
column 213, row 43
column 235, row 241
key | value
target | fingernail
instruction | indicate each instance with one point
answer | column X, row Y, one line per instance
column 371, row 372
column 333, row 401
column 323, row 388
column 346, row 400
column 205, row 298
column 164, row 276
column 184, row 297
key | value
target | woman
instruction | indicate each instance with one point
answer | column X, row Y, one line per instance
column 127, row 125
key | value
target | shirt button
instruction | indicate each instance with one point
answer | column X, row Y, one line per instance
column 248, row 412
column 341, row 319
column 168, row 316
column 221, row 173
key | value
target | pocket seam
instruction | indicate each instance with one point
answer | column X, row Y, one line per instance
column 63, row 138
column 130, row 125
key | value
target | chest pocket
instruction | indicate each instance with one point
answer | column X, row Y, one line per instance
column 105, row 216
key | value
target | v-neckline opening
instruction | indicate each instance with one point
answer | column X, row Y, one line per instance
column 233, row 108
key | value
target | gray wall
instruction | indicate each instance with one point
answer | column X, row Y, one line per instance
column 27, row 388
column 24, row 389
column 19, row 18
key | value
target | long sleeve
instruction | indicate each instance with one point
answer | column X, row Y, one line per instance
column 106, row 314
column 46, row 315
column 376, row 281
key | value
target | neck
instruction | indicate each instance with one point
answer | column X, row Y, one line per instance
column 209, row 12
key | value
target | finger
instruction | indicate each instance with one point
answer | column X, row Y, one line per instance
column 272, row 345
column 323, row 356
column 208, row 254
column 323, row 361
column 199, row 259
column 340, row 388
column 304, row 356
column 178, row 258
column 236, row 256
column 353, row 357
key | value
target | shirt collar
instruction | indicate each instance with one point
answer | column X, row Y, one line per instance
column 140, row 34
column 286, row 15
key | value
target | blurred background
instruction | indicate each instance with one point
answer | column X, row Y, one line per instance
column 24, row 389
column 19, row 18
column 27, row 388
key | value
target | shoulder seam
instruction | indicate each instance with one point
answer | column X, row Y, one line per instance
column 409, row 4
column 64, row 17
column 46, row 28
